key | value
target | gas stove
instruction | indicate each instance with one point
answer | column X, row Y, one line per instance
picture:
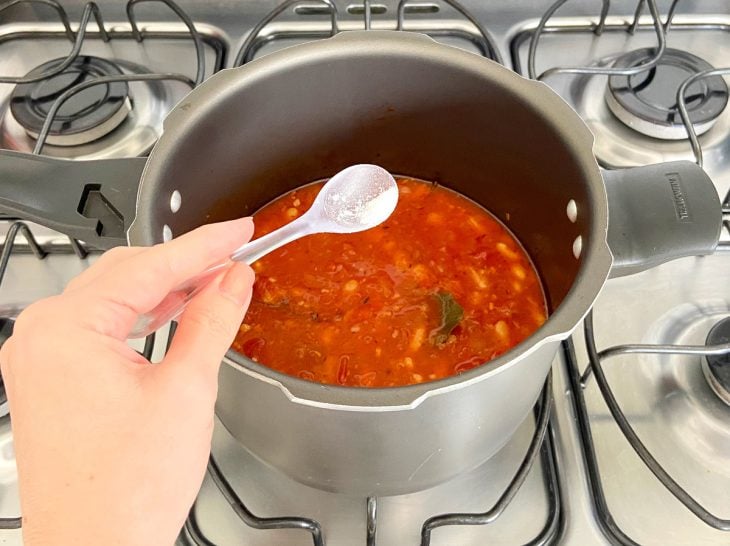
column 631, row 442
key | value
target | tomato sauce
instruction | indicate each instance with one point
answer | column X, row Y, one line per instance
column 439, row 288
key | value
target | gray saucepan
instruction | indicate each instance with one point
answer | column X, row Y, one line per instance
column 418, row 108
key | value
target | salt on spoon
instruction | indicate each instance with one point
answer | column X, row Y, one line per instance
column 355, row 199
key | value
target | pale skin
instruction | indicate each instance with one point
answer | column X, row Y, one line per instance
column 111, row 449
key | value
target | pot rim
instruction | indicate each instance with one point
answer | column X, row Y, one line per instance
column 596, row 258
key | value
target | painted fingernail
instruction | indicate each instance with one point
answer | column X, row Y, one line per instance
column 236, row 283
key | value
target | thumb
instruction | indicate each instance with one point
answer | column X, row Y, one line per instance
column 210, row 323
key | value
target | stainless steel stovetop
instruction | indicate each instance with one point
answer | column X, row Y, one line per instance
column 587, row 484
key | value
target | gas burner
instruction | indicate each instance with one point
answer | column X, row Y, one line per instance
column 134, row 136
column 86, row 116
column 717, row 368
column 616, row 143
column 647, row 102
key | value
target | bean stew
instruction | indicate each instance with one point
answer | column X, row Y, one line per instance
column 439, row 288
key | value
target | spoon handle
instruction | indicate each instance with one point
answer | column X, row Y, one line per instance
column 175, row 302
column 258, row 248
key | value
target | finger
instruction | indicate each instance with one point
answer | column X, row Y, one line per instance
column 142, row 281
column 210, row 323
column 105, row 263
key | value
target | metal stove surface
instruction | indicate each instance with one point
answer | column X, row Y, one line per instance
column 665, row 397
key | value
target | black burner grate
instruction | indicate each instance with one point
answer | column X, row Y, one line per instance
column 256, row 39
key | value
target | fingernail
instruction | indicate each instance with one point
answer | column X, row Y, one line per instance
column 236, row 283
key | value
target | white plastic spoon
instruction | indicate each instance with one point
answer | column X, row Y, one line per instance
column 355, row 199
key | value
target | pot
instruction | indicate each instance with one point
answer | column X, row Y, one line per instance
column 421, row 109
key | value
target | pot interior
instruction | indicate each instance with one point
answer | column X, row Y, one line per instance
column 429, row 112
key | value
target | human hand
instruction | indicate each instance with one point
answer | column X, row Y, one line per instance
column 111, row 449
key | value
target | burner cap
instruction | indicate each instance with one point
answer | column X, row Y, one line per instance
column 86, row 116
column 717, row 368
column 647, row 102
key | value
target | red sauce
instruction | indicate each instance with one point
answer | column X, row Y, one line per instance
column 381, row 308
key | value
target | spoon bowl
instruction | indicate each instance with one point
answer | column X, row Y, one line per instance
column 355, row 199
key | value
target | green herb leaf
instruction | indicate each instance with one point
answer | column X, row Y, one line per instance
column 451, row 315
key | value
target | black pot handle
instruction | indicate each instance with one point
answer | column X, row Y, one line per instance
column 659, row 213
column 93, row 201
